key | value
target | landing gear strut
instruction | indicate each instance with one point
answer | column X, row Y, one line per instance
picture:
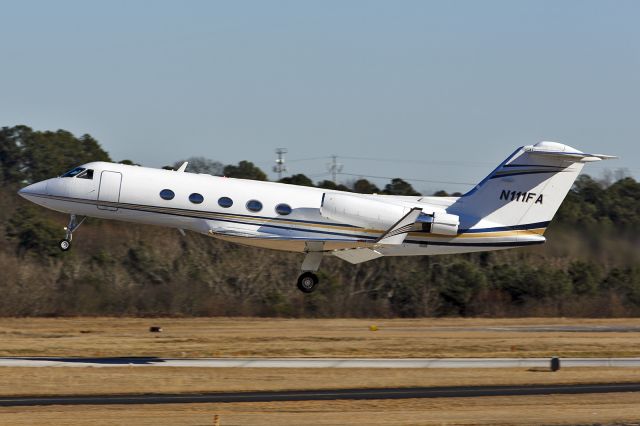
column 308, row 281
column 65, row 244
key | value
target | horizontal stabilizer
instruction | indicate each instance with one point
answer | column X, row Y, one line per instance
column 357, row 255
column 543, row 149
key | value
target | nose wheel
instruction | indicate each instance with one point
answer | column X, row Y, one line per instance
column 74, row 223
column 64, row 244
column 307, row 282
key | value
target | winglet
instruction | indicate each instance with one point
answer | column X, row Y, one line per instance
column 398, row 232
column 183, row 167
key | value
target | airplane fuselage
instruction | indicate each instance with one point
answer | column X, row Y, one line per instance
column 511, row 207
column 133, row 194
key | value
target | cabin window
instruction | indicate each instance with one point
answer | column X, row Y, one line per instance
column 74, row 172
column 283, row 209
column 87, row 174
column 167, row 194
column 254, row 205
column 225, row 202
column 196, row 198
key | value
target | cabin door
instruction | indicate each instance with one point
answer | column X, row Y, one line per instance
column 109, row 192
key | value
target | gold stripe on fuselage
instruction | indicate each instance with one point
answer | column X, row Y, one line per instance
column 330, row 227
column 491, row 234
column 299, row 225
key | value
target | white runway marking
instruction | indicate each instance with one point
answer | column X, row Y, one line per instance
column 315, row 362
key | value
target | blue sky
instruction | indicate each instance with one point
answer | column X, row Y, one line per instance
column 448, row 89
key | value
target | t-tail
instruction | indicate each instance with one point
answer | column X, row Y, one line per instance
column 525, row 191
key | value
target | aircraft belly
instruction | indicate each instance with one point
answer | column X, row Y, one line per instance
column 268, row 243
column 419, row 244
column 284, row 245
column 407, row 250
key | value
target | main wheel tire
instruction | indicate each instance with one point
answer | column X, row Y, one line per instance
column 307, row 282
column 64, row 245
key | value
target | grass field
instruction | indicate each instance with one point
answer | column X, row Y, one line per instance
column 116, row 380
column 225, row 337
column 620, row 408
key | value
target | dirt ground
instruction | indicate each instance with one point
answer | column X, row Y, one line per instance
column 618, row 408
column 256, row 337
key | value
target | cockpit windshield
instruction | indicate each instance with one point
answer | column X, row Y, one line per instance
column 73, row 172
column 87, row 174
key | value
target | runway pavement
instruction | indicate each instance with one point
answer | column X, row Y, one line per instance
column 549, row 328
column 314, row 362
column 322, row 395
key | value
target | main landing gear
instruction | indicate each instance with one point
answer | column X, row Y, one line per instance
column 308, row 281
column 74, row 223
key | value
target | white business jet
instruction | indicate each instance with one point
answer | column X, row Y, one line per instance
column 511, row 207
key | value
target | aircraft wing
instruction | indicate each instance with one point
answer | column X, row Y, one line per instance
column 226, row 232
column 357, row 255
column 353, row 250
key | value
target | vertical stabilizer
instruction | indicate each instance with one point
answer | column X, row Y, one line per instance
column 527, row 189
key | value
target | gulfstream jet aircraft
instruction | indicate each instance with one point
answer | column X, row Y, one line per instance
column 511, row 207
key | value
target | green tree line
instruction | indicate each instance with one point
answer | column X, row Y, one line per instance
column 590, row 265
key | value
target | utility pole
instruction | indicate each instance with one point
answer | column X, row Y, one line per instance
column 334, row 168
column 280, row 167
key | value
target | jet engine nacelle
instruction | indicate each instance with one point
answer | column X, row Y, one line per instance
column 382, row 214
column 361, row 211
column 441, row 223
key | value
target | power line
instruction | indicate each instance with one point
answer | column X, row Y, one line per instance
column 410, row 179
column 317, row 175
column 309, row 159
column 401, row 160
column 435, row 162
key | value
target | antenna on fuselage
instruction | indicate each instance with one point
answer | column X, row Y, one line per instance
column 183, row 167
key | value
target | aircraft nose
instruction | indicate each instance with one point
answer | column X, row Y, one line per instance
column 34, row 189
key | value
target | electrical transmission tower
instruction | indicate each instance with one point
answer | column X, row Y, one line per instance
column 280, row 167
column 334, row 168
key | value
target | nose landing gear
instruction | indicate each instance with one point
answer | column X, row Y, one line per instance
column 65, row 244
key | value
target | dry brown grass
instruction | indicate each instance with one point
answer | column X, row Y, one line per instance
column 223, row 337
column 347, row 338
column 533, row 410
column 116, row 380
